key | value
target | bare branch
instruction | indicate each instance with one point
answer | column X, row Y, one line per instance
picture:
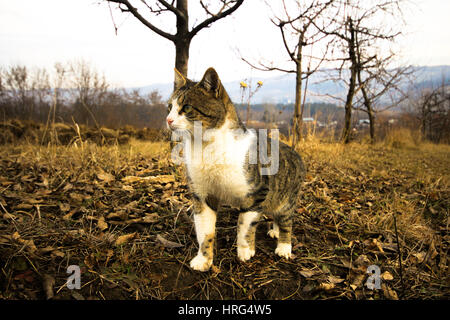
column 137, row 15
column 264, row 67
column 214, row 17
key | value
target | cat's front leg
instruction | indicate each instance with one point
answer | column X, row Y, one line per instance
column 205, row 227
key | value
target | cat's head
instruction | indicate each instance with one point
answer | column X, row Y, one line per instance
column 205, row 101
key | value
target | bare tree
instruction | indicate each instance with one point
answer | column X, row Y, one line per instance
column 380, row 87
column 89, row 87
column 360, row 28
column 17, row 88
column 431, row 107
column 297, row 33
column 179, row 8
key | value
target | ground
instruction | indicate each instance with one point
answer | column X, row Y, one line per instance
column 123, row 214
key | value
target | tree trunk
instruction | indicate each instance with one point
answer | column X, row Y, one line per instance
column 367, row 102
column 298, row 110
column 182, row 56
column 183, row 40
column 297, row 125
column 371, row 123
column 351, row 89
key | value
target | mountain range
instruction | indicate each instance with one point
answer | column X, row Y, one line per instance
column 281, row 89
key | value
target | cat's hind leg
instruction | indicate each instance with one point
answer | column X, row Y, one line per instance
column 284, row 247
column 274, row 231
column 247, row 224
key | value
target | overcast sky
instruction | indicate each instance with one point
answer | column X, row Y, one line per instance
column 40, row 33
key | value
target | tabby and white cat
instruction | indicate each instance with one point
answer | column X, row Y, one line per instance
column 226, row 176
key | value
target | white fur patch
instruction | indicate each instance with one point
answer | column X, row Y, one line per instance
column 274, row 232
column 205, row 223
column 219, row 170
column 244, row 252
column 179, row 120
column 247, row 219
column 284, row 250
column 201, row 263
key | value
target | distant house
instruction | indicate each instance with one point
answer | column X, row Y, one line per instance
column 363, row 122
column 392, row 121
column 333, row 123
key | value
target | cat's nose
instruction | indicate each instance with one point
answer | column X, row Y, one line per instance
column 169, row 121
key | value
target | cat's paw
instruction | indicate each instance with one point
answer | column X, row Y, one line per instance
column 284, row 250
column 201, row 263
column 273, row 233
column 245, row 253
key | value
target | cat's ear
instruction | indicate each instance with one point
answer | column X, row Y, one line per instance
column 180, row 80
column 211, row 81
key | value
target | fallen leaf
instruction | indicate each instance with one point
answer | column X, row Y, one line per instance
column 418, row 257
column 29, row 244
column 387, row 276
column 76, row 196
column 167, row 243
column 388, row 292
column 362, row 260
column 131, row 179
column 162, row 178
column 48, row 283
column 128, row 188
column 309, row 273
column 27, row 276
column 102, row 225
column 121, row 214
column 106, row 177
column 215, row 269
column 9, row 216
column 167, row 178
column 151, row 218
column 335, row 280
column 326, row 286
column 125, row 238
column 133, row 285
column 356, row 279
column 25, row 206
column 64, row 207
column 67, row 187
column 57, row 253
column 69, row 215
column 374, row 244
column 77, row 296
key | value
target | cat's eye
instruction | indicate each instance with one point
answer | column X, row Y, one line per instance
column 187, row 108
column 169, row 107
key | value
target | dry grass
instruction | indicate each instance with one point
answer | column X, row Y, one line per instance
column 105, row 208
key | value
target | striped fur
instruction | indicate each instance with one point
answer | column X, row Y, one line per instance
column 225, row 175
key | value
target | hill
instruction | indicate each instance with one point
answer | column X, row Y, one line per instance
column 280, row 89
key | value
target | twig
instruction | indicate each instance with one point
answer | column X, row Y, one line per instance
column 399, row 255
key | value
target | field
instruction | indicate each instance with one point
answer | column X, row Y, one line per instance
column 122, row 213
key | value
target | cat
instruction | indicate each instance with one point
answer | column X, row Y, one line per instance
column 225, row 174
